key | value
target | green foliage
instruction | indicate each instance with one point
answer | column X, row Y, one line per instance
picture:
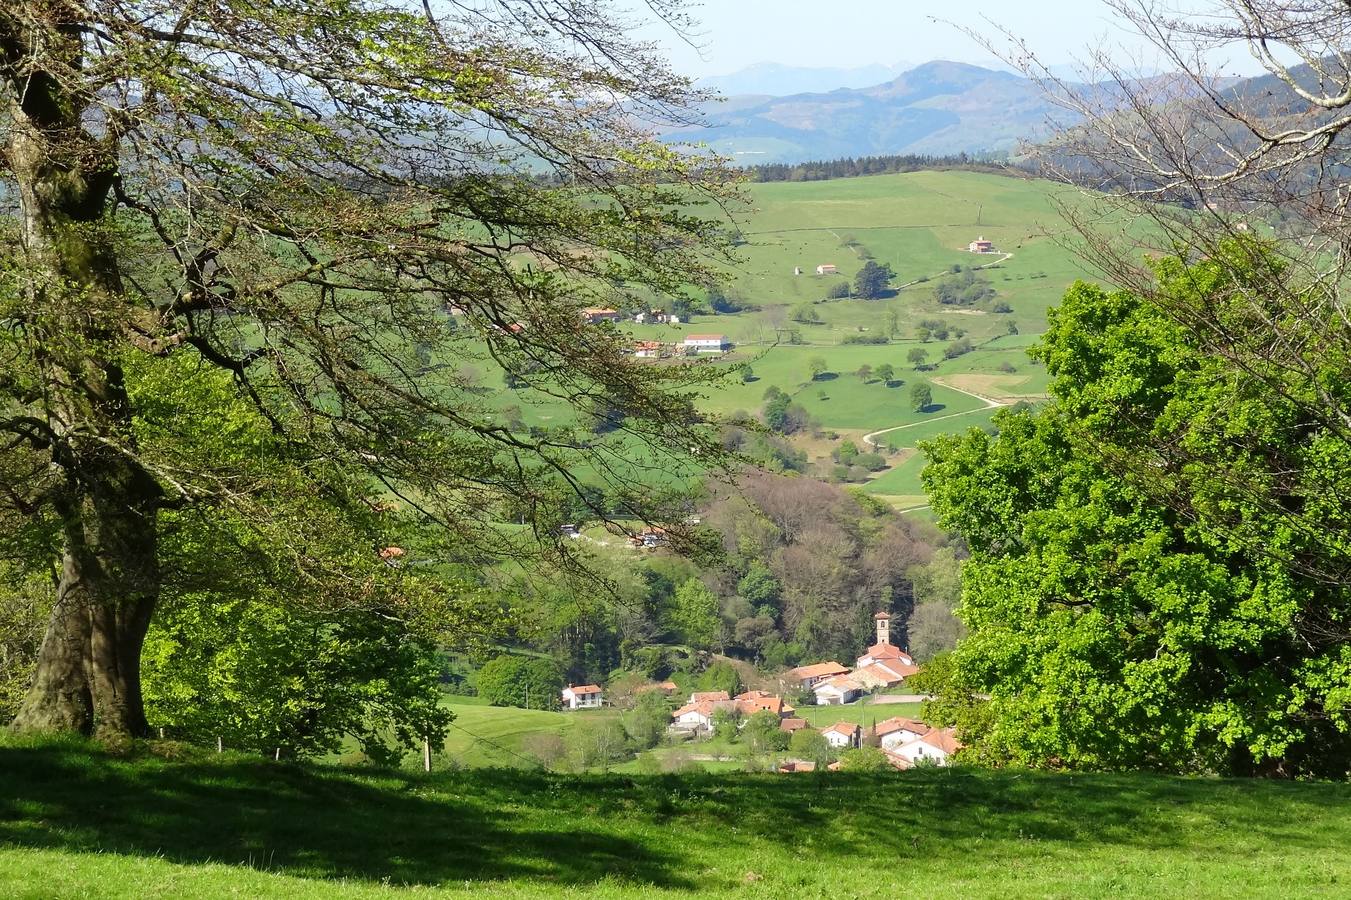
column 921, row 396
column 726, row 724
column 810, row 744
column 817, row 366
column 838, row 291
column 917, row 357
column 1143, row 571
column 693, row 616
column 720, row 676
column 646, row 722
column 760, row 589
column 524, row 681
column 864, row 759
column 873, row 280
column 886, row 373
column 763, row 734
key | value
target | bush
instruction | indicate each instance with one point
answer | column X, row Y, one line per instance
column 865, row 339
column 957, row 348
column 838, row 291
column 873, row 462
column 864, row 759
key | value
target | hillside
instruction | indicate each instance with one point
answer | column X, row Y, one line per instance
column 79, row 822
column 938, row 107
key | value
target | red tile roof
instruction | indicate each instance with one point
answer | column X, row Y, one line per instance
column 889, row 651
column 944, row 739
column 819, row 670
column 882, row 615
column 790, row 724
column 584, row 688
column 700, row 696
column 845, row 728
column 898, row 723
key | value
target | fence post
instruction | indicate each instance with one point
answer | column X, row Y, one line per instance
column 426, row 754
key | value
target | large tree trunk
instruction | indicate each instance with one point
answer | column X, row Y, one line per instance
column 88, row 669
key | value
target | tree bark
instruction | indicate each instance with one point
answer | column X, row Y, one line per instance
column 88, row 668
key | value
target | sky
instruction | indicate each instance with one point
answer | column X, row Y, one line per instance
column 850, row 33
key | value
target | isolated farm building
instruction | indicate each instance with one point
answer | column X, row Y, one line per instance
column 893, row 733
column 980, row 245
column 936, row 747
column 647, row 349
column 808, row 676
column 844, row 735
column 792, row 724
column 583, row 696
column 827, row 269
column 596, row 314
column 840, row 689
column 706, row 343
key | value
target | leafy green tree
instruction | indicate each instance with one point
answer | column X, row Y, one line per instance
column 957, row 348
column 872, row 281
column 817, row 366
column 864, row 759
column 838, row 291
column 694, row 614
column 763, row 734
column 646, row 723
column 727, row 724
column 921, row 396
column 720, row 676
column 886, row 373
column 299, row 219
column 917, row 357
column 523, row 681
column 760, row 589
column 864, row 373
column 806, row 314
column 810, row 744
column 747, row 375
column 1147, row 587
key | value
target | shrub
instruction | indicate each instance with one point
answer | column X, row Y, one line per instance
column 865, row 339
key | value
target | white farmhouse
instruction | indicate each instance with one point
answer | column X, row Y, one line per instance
column 843, row 735
column 837, row 690
column 896, row 732
column 706, row 343
column 827, row 269
column 583, row 696
column 935, row 748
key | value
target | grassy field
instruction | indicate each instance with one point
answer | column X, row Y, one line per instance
column 484, row 735
column 77, row 822
column 920, row 224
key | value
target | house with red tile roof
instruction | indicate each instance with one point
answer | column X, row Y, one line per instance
column 894, row 732
column 935, row 748
column 792, row 724
column 808, row 676
column 844, row 735
column 837, row 690
column 583, row 696
column 709, row 696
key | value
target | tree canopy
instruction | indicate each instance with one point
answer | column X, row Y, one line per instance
column 1158, row 557
column 338, row 206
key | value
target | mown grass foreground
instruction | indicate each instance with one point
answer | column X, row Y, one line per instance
column 76, row 821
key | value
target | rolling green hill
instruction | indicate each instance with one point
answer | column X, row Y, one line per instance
column 79, row 822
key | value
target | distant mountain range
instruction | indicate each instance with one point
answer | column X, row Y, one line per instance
column 778, row 80
column 936, row 108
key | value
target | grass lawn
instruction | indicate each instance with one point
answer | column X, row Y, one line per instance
column 77, row 822
column 861, row 713
column 483, row 735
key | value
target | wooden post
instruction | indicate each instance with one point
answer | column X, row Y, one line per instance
column 220, row 745
column 426, row 754
column 276, row 757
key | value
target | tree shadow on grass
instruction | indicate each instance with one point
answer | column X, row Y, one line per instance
column 486, row 826
column 310, row 821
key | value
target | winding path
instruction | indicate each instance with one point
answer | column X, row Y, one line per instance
column 990, row 403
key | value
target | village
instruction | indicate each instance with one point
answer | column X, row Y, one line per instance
column 904, row 742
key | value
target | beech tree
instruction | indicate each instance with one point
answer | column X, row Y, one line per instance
column 341, row 205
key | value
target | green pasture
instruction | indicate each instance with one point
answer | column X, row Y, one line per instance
column 170, row 822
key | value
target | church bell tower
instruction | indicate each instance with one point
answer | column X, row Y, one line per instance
column 883, row 620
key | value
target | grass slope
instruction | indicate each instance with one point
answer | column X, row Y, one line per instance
column 483, row 735
column 76, row 822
